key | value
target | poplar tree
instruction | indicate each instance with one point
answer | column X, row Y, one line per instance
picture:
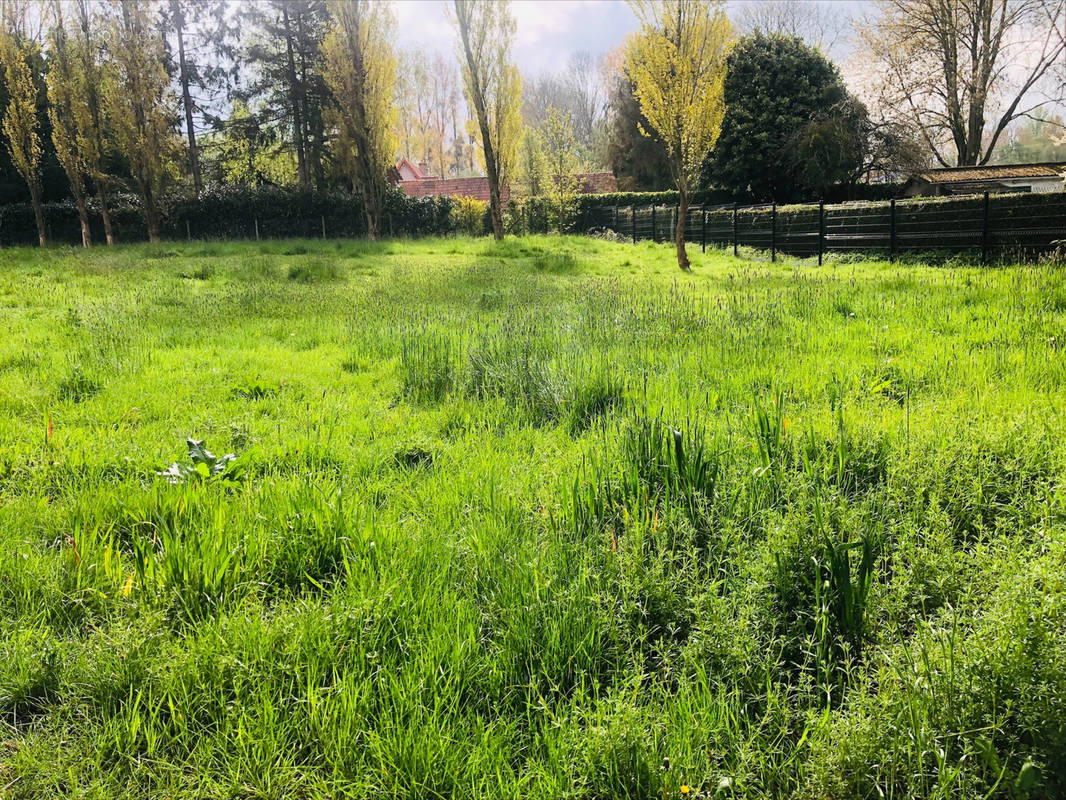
column 360, row 70
column 493, row 90
column 677, row 63
column 63, row 102
column 140, row 106
column 20, row 124
column 89, row 78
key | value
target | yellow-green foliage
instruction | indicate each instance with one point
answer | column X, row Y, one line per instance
column 360, row 71
column 677, row 62
column 468, row 215
column 20, row 125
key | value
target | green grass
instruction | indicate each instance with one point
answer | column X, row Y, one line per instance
column 544, row 519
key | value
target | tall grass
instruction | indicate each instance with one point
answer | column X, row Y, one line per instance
column 534, row 519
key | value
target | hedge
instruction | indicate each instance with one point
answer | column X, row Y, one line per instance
column 235, row 213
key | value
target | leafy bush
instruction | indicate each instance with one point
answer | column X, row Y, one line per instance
column 468, row 215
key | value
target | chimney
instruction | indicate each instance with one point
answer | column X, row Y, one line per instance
column 423, row 167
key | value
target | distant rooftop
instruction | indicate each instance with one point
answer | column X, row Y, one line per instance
column 992, row 172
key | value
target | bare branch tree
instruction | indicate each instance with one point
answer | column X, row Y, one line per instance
column 960, row 72
column 824, row 25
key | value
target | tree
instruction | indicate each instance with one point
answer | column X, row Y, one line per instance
column 247, row 152
column 284, row 48
column 960, row 72
column 1037, row 139
column 360, row 70
column 532, row 166
column 677, row 62
column 560, row 146
column 20, row 124
column 88, row 84
column 821, row 25
column 63, row 110
column 776, row 85
column 204, row 35
column 442, row 90
column 639, row 162
column 578, row 90
column 417, row 124
column 493, row 90
column 140, row 106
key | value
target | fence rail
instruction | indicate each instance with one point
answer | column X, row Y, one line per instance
column 985, row 224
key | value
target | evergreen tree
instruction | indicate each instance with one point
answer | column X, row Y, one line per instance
column 284, row 50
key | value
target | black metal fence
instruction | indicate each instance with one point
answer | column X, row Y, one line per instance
column 985, row 224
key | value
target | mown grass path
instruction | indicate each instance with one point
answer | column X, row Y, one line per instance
column 540, row 519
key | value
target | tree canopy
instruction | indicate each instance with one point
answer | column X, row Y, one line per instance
column 775, row 87
column 677, row 63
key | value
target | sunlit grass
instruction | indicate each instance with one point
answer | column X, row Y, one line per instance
column 543, row 518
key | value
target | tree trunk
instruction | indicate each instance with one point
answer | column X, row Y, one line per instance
column 294, row 99
column 372, row 209
column 313, row 133
column 186, row 96
column 495, row 207
column 679, row 232
column 83, row 218
column 105, row 213
column 151, row 216
column 38, row 212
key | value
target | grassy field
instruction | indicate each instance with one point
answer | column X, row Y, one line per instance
column 542, row 519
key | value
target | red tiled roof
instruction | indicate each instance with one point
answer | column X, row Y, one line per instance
column 597, row 183
column 417, row 170
column 478, row 188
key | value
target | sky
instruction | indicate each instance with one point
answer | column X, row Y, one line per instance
column 548, row 31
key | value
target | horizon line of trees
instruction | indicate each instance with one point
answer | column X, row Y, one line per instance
column 158, row 96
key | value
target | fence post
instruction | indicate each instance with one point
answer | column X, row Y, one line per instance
column 773, row 232
column 323, row 226
column 821, row 230
column 735, row 253
column 616, row 219
column 257, row 229
column 703, row 229
column 984, row 232
column 188, row 232
column 654, row 230
column 676, row 220
column 633, row 221
column 892, row 229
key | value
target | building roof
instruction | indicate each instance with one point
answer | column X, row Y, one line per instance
column 419, row 171
column 994, row 172
column 597, row 183
column 478, row 188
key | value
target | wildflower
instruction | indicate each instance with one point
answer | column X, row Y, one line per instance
column 128, row 586
column 684, row 788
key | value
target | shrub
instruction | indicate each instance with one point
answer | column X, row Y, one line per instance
column 468, row 215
